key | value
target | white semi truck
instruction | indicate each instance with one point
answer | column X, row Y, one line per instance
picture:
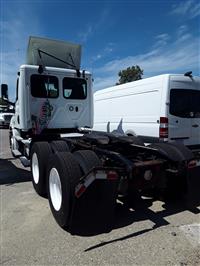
column 82, row 172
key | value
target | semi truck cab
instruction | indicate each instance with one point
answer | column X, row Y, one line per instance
column 55, row 99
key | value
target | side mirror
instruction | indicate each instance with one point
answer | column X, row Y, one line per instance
column 4, row 91
column 4, row 95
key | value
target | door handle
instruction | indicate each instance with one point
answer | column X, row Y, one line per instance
column 195, row 125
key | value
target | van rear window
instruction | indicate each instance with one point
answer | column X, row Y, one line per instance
column 185, row 103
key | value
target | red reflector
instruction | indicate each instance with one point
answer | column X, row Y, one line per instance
column 80, row 191
column 164, row 120
column 112, row 175
column 163, row 132
column 192, row 164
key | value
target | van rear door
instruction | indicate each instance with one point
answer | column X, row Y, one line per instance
column 184, row 110
column 195, row 100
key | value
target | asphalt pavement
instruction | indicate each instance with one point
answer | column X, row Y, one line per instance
column 151, row 234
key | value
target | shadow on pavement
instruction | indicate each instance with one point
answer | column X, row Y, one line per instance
column 125, row 215
column 10, row 174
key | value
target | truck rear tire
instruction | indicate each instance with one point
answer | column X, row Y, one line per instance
column 87, row 159
column 171, row 151
column 40, row 152
column 59, row 146
column 62, row 176
column 176, row 187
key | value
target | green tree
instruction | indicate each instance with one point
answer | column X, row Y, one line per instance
column 130, row 74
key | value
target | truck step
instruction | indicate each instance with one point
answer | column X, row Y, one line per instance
column 26, row 141
column 16, row 153
column 18, row 138
column 24, row 161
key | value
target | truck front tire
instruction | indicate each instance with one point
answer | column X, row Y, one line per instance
column 40, row 152
column 13, row 143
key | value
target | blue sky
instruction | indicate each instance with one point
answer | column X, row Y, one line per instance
column 161, row 36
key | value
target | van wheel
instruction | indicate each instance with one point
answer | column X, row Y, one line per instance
column 59, row 146
column 62, row 176
column 40, row 152
column 87, row 159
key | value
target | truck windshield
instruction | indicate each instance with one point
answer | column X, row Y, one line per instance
column 185, row 103
column 74, row 88
column 44, row 86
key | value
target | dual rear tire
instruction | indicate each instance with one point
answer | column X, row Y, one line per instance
column 39, row 161
column 55, row 173
column 64, row 172
column 39, row 156
column 63, row 175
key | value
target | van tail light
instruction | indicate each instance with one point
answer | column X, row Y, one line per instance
column 163, row 130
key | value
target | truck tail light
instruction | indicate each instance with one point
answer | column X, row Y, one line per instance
column 163, row 130
column 192, row 164
column 112, row 175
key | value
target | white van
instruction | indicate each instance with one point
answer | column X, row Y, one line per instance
column 160, row 108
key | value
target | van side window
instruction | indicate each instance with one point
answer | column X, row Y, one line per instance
column 185, row 103
column 74, row 88
column 44, row 86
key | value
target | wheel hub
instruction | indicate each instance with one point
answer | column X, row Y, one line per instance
column 35, row 168
column 55, row 189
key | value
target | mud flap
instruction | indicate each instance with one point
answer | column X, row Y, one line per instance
column 93, row 212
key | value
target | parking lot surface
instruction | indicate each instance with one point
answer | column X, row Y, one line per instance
column 151, row 234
